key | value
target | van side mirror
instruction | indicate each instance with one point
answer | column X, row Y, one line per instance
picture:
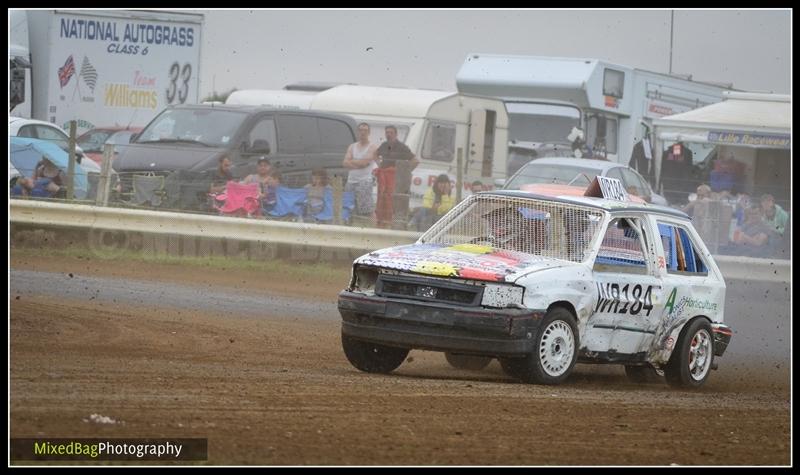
column 133, row 137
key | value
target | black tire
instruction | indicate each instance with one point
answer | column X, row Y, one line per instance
column 693, row 356
column 372, row 357
column 468, row 362
column 556, row 340
column 511, row 367
column 642, row 374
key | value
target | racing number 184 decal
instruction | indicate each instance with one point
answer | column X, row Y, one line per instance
column 640, row 298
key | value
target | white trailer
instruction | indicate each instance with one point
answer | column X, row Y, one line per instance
column 435, row 125
column 106, row 68
column 614, row 104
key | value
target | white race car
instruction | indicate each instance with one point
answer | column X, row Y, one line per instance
column 542, row 280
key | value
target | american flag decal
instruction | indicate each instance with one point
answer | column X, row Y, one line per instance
column 88, row 73
column 66, row 72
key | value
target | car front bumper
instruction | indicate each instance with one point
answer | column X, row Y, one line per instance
column 438, row 326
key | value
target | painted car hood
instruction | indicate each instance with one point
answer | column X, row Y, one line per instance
column 466, row 261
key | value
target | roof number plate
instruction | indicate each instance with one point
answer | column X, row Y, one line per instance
column 612, row 189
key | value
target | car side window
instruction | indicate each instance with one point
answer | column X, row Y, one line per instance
column 27, row 131
column 633, row 183
column 335, row 135
column 680, row 252
column 615, row 173
column 49, row 133
column 622, row 248
column 262, row 134
column 299, row 133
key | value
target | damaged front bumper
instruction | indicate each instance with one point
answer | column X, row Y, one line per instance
column 438, row 326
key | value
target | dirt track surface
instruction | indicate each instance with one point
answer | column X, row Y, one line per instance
column 274, row 388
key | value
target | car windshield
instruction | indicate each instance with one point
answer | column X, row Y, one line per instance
column 533, row 226
column 537, row 173
column 201, row 126
column 93, row 140
column 121, row 137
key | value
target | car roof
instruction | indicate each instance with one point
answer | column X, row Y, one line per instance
column 611, row 206
column 31, row 121
column 576, row 162
column 115, row 129
column 256, row 109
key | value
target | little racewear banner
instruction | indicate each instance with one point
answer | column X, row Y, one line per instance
column 749, row 139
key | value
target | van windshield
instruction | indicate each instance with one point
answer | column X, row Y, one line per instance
column 541, row 123
column 212, row 128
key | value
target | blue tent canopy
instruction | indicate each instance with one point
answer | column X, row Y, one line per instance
column 26, row 153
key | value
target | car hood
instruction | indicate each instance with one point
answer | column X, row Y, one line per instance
column 169, row 157
column 466, row 261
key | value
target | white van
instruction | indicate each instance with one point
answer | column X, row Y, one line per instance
column 435, row 125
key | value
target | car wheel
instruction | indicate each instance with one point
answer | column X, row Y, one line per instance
column 469, row 362
column 555, row 352
column 372, row 357
column 691, row 360
column 642, row 374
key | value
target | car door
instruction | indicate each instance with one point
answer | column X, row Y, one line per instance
column 299, row 141
column 259, row 141
column 691, row 286
column 627, row 287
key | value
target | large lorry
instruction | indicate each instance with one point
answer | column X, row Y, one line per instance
column 615, row 105
column 102, row 68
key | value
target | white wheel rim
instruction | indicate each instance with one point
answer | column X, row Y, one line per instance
column 700, row 355
column 556, row 348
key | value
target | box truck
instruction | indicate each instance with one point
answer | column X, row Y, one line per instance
column 102, row 68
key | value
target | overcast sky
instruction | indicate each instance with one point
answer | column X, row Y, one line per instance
column 424, row 49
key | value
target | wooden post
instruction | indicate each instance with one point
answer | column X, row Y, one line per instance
column 459, row 173
column 338, row 192
column 104, row 184
column 71, row 166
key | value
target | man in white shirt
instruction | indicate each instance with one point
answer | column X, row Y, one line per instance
column 360, row 161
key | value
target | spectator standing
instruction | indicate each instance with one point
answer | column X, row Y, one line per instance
column 389, row 153
column 360, row 159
